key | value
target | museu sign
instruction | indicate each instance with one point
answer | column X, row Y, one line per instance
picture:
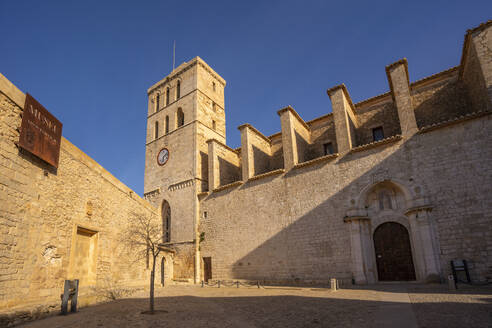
column 40, row 132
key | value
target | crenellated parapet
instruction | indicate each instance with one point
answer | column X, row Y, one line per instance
column 449, row 97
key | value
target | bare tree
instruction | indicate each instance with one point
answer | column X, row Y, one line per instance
column 143, row 235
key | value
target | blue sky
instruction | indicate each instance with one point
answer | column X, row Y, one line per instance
column 91, row 62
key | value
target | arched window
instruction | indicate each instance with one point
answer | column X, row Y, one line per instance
column 157, row 98
column 156, row 130
column 167, row 96
column 167, row 124
column 178, row 90
column 181, row 117
column 166, row 222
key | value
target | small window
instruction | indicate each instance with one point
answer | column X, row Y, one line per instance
column 328, row 148
column 181, row 117
column 214, row 106
column 156, row 130
column 213, row 86
column 166, row 222
column 205, row 214
column 167, row 96
column 214, row 125
column 167, row 124
column 377, row 133
column 157, row 98
column 178, row 90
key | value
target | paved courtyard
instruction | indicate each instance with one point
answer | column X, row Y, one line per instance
column 370, row 306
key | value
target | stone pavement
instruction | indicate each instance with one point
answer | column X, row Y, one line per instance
column 367, row 306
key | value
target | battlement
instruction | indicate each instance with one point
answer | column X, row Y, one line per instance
column 449, row 97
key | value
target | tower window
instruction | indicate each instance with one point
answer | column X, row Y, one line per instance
column 214, row 126
column 156, row 130
column 214, row 106
column 167, row 124
column 167, row 96
column 328, row 148
column 181, row 117
column 178, row 90
column 377, row 133
column 157, row 98
column 213, row 86
column 166, row 222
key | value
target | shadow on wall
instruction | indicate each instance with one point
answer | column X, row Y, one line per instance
column 289, row 309
column 316, row 245
column 229, row 172
column 448, row 102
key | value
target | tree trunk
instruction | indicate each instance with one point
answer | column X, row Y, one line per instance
column 152, row 274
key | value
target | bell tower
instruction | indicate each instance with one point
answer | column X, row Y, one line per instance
column 185, row 109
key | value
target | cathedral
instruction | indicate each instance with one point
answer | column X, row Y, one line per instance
column 392, row 188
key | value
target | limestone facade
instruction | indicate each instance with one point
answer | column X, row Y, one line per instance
column 303, row 204
column 58, row 224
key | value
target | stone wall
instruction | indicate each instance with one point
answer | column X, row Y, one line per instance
column 290, row 227
column 380, row 113
column 440, row 100
column 322, row 132
column 316, row 218
column 58, row 224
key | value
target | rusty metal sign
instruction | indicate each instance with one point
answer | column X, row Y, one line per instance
column 40, row 132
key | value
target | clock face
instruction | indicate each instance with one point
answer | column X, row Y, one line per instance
column 163, row 156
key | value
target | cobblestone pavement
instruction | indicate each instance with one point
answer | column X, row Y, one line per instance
column 370, row 306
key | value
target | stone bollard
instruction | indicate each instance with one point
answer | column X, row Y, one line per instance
column 451, row 282
column 334, row 284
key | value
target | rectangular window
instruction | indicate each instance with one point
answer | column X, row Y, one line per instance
column 377, row 133
column 214, row 125
column 213, row 86
column 156, row 130
column 205, row 214
column 328, row 148
column 167, row 124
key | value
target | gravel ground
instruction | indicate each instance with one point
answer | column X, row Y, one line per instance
column 192, row 306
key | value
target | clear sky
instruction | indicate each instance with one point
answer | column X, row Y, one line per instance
column 91, row 62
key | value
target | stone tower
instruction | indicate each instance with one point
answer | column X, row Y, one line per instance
column 185, row 109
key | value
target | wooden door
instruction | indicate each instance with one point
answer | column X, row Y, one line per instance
column 393, row 253
column 207, row 268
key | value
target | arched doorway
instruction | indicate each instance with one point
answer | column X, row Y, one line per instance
column 393, row 253
column 163, row 262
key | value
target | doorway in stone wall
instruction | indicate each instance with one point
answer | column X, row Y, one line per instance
column 207, row 268
column 393, row 253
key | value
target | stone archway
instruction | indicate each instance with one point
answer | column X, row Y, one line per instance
column 392, row 201
column 393, row 251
